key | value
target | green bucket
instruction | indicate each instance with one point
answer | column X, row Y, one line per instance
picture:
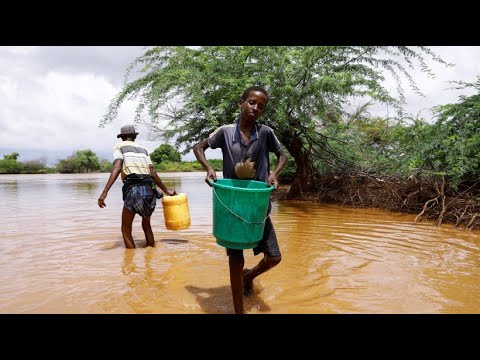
column 239, row 212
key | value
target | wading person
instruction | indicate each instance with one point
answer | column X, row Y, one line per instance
column 139, row 191
column 245, row 146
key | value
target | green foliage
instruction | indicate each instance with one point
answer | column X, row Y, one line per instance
column 449, row 147
column 216, row 164
column 288, row 172
column 10, row 166
column 165, row 152
column 189, row 92
column 12, row 156
column 187, row 166
column 34, row 167
column 106, row 166
column 83, row 161
column 87, row 161
column 360, row 145
column 67, row 166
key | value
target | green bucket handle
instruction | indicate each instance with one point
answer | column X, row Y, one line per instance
column 270, row 188
column 267, row 189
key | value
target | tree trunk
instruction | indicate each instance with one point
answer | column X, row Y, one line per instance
column 304, row 174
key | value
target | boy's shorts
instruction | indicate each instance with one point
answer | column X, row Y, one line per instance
column 269, row 244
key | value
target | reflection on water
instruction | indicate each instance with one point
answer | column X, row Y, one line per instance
column 218, row 300
column 174, row 241
column 61, row 253
column 88, row 188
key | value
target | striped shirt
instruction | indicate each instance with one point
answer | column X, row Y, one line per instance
column 136, row 159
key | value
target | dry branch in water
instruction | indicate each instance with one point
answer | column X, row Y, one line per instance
column 430, row 199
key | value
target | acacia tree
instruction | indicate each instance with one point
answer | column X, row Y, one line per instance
column 165, row 152
column 87, row 161
column 188, row 92
column 80, row 162
column 12, row 156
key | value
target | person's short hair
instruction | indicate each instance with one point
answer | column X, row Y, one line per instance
column 253, row 88
column 125, row 137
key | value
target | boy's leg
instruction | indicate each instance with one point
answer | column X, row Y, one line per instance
column 236, row 262
column 127, row 220
column 147, row 229
column 271, row 258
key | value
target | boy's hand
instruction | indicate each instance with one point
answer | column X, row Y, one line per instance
column 272, row 179
column 211, row 175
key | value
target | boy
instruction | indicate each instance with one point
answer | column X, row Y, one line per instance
column 245, row 148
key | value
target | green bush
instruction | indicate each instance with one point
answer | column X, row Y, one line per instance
column 83, row 161
column 165, row 152
column 10, row 166
column 187, row 166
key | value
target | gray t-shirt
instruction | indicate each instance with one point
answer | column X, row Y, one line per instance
column 234, row 150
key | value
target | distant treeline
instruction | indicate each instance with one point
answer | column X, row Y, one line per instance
column 86, row 161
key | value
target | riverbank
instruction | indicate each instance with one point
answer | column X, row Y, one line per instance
column 281, row 193
column 430, row 199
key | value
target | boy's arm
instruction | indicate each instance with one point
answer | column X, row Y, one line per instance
column 117, row 169
column 199, row 151
column 159, row 182
column 281, row 162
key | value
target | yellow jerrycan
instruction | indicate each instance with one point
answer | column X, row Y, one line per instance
column 175, row 211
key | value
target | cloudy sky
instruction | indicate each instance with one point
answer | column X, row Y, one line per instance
column 53, row 97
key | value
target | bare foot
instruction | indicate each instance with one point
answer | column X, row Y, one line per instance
column 247, row 284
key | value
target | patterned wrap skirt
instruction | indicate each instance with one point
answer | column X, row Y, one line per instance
column 141, row 199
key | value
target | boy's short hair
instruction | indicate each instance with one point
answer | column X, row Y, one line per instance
column 253, row 88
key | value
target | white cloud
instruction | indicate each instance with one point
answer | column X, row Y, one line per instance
column 52, row 111
column 466, row 60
